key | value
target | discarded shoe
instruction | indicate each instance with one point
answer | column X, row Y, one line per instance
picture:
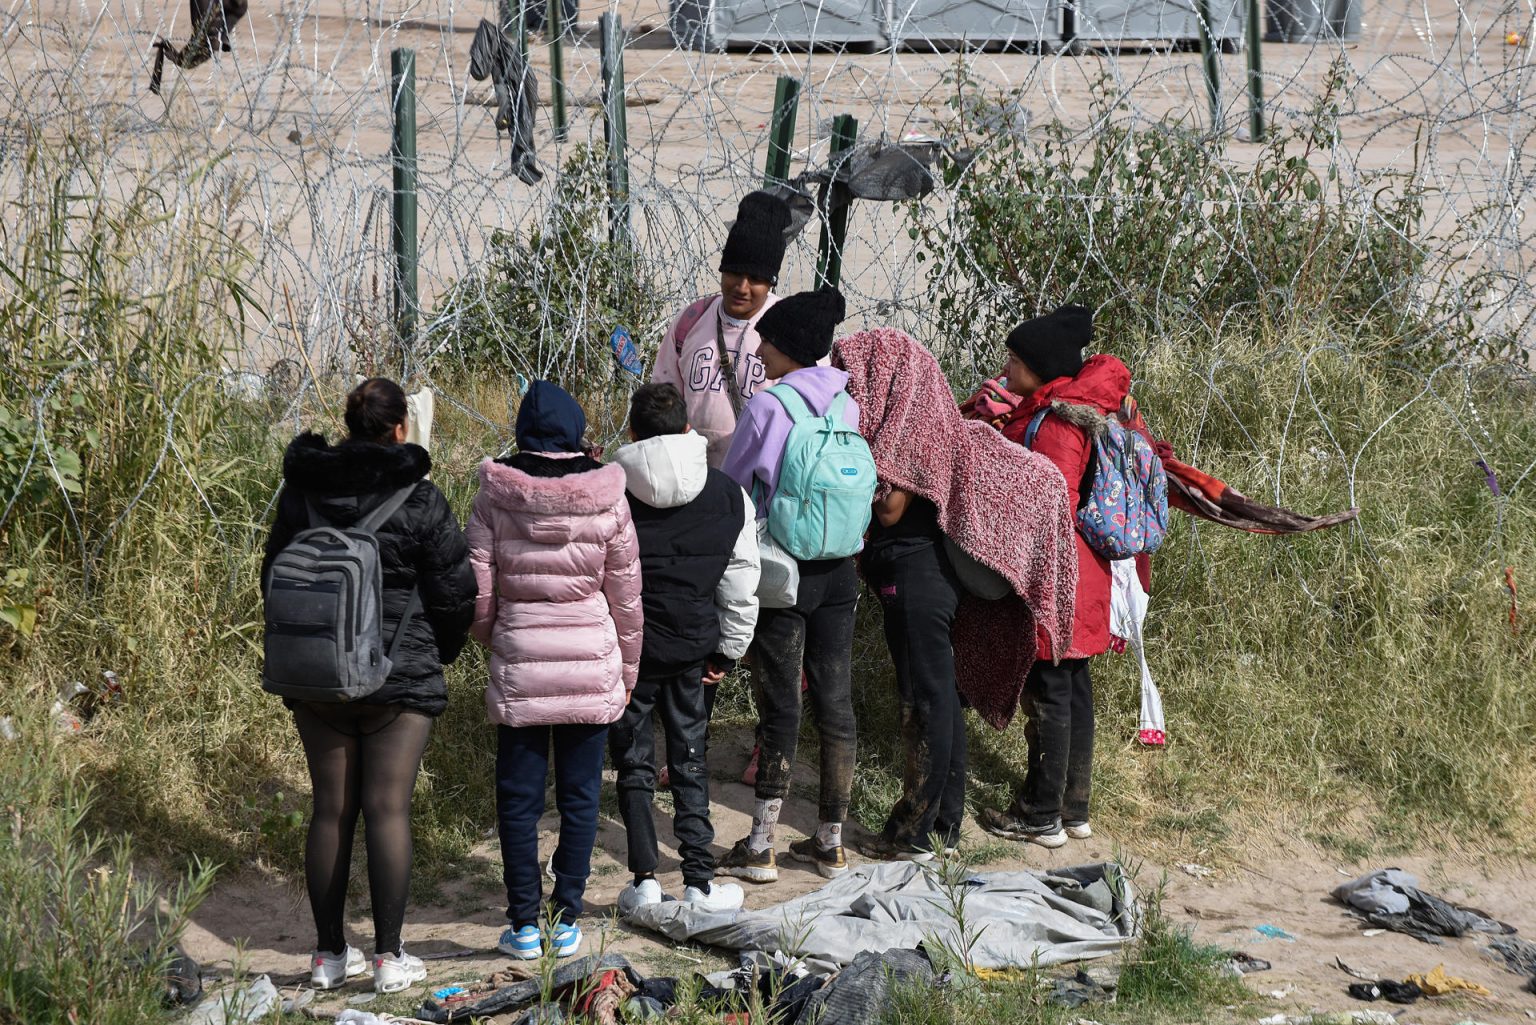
column 1011, row 827
column 525, row 944
column 830, row 862
column 327, row 970
column 719, row 897
column 638, row 895
column 395, row 972
column 740, row 861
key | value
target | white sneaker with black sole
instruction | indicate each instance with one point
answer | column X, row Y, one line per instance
column 327, row 970
column 1078, row 830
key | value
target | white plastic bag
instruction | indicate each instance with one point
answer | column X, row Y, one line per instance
column 1127, row 615
column 779, row 584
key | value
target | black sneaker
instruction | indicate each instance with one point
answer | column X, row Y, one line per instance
column 881, row 849
column 1010, row 827
column 829, row 861
column 742, row 863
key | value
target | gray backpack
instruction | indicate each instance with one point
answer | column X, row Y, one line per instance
column 325, row 610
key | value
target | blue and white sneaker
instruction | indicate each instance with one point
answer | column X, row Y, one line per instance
column 566, row 939
column 525, row 944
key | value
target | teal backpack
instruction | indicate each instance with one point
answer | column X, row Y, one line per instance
column 826, row 482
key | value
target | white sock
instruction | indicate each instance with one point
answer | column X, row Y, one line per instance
column 764, row 817
column 829, row 835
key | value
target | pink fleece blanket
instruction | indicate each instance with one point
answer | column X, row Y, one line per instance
column 1002, row 505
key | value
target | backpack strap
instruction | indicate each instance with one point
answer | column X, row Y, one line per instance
column 385, row 509
column 1034, row 427
column 793, row 402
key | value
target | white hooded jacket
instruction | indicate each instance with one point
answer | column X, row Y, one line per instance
column 671, row 471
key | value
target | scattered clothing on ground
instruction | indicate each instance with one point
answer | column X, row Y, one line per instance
column 1435, row 983
column 1391, row 899
column 1024, row 918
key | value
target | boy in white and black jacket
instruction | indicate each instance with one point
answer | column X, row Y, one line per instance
column 699, row 566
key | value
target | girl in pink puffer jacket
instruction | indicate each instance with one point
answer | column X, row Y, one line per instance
column 558, row 569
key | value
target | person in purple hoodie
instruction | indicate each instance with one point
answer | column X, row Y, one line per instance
column 816, row 633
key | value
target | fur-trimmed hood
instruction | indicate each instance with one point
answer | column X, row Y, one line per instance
column 580, row 494
column 322, row 470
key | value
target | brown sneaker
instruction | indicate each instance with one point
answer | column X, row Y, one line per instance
column 829, row 861
column 741, row 862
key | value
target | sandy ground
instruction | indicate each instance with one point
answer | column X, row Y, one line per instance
column 265, row 924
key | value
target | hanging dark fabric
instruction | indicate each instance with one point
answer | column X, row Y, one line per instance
column 493, row 55
column 212, row 21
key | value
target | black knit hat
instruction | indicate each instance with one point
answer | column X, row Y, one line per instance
column 755, row 245
column 1052, row 346
column 801, row 326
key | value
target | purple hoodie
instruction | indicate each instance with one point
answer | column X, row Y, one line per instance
column 757, row 448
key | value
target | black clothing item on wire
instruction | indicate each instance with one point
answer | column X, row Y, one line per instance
column 1059, row 702
column 684, row 553
column 212, row 21
column 678, row 698
column 879, row 171
column 420, row 548
column 919, row 594
column 816, row 633
column 493, row 55
column 363, row 759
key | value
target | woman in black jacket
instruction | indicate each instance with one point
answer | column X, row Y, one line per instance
column 364, row 755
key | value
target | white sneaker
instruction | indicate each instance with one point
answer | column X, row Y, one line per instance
column 721, row 897
column 327, row 970
column 1078, row 830
column 638, row 895
column 394, row 972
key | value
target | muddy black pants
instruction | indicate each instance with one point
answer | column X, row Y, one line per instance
column 816, row 634
column 919, row 595
column 1059, row 702
column 679, row 698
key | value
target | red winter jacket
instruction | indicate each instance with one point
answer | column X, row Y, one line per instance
column 1078, row 406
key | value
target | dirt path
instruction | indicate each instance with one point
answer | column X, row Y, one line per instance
column 266, row 925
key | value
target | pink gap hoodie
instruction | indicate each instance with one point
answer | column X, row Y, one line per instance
column 758, row 446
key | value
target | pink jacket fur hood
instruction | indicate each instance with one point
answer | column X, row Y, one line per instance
column 558, row 569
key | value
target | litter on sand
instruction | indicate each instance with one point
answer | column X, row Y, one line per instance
column 1274, row 932
column 250, row 1003
column 1197, row 871
column 1021, row 919
column 1391, row 899
column 1436, row 983
column 1386, row 989
column 1332, row 1018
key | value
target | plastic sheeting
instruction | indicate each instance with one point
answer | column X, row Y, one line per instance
column 1016, row 919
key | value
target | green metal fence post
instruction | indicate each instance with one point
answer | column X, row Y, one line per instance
column 781, row 130
column 834, row 225
column 555, row 25
column 615, row 130
column 1210, row 58
column 1255, row 34
column 402, row 155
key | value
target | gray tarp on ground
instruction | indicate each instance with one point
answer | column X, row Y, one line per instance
column 1025, row 918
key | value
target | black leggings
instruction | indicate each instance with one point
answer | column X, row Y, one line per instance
column 362, row 758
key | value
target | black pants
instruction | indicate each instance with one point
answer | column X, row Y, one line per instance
column 522, row 767
column 919, row 595
column 363, row 760
column 1059, row 702
column 816, row 634
column 679, row 699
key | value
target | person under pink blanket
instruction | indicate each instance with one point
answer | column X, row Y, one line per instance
column 942, row 475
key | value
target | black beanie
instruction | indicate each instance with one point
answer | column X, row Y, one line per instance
column 755, row 245
column 1052, row 346
column 549, row 420
column 801, row 326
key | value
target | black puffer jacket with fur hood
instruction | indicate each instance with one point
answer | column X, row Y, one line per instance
column 420, row 546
